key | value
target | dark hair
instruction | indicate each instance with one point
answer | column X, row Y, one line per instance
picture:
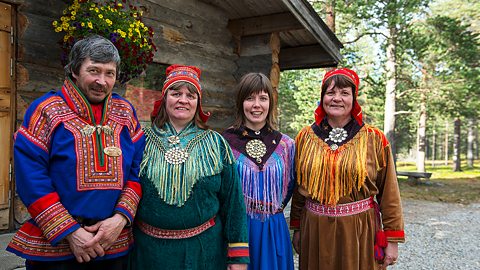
column 95, row 47
column 162, row 116
column 339, row 81
column 254, row 83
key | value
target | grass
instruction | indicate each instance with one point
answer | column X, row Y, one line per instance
column 445, row 185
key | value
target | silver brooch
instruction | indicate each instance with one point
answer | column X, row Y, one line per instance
column 176, row 155
column 256, row 149
column 336, row 135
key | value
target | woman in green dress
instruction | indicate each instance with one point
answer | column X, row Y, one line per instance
column 192, row 213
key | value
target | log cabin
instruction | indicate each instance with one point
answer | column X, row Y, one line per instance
column 224, row 38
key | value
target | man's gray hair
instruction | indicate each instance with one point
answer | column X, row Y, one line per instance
column 95, row 47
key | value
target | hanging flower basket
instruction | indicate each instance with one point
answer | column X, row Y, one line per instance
column 118, row 21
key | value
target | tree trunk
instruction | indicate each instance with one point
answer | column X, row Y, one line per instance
column 470, row 139
column 475, row 142
column 421, row 133
column 456, row 146
column 446, row 143
column 330, row 18
column 434, row 146
column 390, row 91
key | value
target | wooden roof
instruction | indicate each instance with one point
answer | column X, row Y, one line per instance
column 306, row 41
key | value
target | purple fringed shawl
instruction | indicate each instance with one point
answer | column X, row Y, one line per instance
column 265, row 186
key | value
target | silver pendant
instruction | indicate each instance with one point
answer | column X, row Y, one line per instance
column 176, row 155
column 173, row 140
column 112, row 151
column 256, row 149
column 87, row 130
column 334, row 147
column 337, row 135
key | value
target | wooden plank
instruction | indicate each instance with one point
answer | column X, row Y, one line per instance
column 5, row 17
column 4, row 102
column 313, row 56
column 264, row 24
column 5, row 57
column 255, row 45
column 307, row 16
column 5, row 142
column 47, row 8
column 38, row 43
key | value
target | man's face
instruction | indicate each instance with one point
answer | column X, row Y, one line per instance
column 96, row 80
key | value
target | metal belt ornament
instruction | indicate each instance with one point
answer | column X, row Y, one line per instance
column 256, row 149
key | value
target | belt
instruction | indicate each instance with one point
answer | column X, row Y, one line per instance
column 340, row 210
column 263, row 207
column 174, row 234
column 86, row 221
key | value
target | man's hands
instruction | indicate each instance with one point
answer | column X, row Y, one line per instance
column 106, row 231
column 89, row 242
column 77, row 241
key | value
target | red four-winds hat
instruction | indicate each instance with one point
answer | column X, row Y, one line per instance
column 350, row 75
column 179, row 73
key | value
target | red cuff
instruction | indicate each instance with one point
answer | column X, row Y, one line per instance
column 129, row 199
column 51, row 217
column 395, row 235
column 294, row 224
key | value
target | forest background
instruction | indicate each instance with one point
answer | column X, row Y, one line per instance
column 418, row 62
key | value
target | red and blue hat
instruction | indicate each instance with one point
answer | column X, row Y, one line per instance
column 180, row 73
column 353, row 77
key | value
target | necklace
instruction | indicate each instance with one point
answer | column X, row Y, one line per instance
column 256, row 149
column 175, row 155
column 336, row 135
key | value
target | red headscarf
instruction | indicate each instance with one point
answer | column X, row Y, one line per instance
column 353, row 77
column 179, row 73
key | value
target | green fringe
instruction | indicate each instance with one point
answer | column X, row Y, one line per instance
column 174, row 182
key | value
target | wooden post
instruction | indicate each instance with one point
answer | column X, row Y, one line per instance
column 275, row 69
column 6, row 115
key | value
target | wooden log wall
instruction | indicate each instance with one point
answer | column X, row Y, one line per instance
column 186, row 32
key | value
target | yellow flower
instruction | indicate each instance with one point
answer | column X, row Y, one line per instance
column 90, row 25
column 82, row 24
column 55, row 23
column 74, row 13
column 58, row 29
column 100, row 16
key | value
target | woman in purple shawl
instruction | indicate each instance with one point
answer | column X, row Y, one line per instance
column 265, row 163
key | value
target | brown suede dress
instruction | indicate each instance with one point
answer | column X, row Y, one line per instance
column 345, row 242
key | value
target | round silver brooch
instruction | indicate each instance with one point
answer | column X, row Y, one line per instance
column 256, row 149
column 337, row 135
column 176, row 155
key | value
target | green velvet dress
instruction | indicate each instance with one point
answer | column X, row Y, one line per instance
column 186, row 195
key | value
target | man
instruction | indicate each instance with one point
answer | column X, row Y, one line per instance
column 77, row 157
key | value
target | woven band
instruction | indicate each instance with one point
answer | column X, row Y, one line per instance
column 174, row 234
column 340, row 210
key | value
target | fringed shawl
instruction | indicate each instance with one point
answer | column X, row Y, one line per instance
column 266, row 190
column 174, row 182
column 328, row 175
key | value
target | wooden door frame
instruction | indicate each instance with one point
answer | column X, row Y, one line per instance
column 13, row 111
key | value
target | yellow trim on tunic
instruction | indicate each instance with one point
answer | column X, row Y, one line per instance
column 328, row 174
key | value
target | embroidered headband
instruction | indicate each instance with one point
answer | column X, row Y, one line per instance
column 179, row 73
column 353, row 77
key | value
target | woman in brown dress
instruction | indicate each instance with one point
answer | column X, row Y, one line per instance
column 346, row 211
